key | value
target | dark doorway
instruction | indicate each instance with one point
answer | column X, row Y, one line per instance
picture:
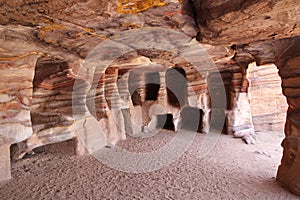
column 219, row 102
column 134, row 85
column 152, row 80
column 165, row 121
column 192, row 119
column 176, row 86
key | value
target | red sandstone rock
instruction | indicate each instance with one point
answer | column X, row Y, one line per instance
column 268, row 105
column 64, row 32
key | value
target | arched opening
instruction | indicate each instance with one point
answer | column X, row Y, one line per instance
column 268, row 104
column 176, row 84
column 192, row 119
column 165, row 121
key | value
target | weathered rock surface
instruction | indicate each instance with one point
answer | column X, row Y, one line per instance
column 268, row 105
column 44, row 45
column 285, row 55
column 239, row 119
column 227, row 22
column 264, row 32
column 5, row 159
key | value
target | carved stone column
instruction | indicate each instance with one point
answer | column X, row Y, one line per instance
column 15, row 103
column 115, row 115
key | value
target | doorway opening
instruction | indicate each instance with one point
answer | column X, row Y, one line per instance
column 219, row 95
column 152, row 80
column 268, row 104
column 165, row 121
column 176, row 84
column 192, row 119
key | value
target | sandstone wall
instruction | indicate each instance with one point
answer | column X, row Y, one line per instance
column 39, row 108
column 268, row 104
column 227, row 22
column 284, row 53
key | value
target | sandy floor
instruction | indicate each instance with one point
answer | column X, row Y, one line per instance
column 232, row 170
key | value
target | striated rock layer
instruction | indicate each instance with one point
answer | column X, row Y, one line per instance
column 264, row 32
column 285, row 55
column 52, row 92
column 227, row 22
column 268, row 104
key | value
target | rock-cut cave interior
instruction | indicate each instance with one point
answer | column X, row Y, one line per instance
column 149, row 99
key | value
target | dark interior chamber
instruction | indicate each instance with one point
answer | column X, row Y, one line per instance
column 165, row 121
column 152, row 85
column 192, row 119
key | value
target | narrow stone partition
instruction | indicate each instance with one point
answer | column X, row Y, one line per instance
column 116, row 122
column 239, row 119
column 15, row 104
column 5, row 160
